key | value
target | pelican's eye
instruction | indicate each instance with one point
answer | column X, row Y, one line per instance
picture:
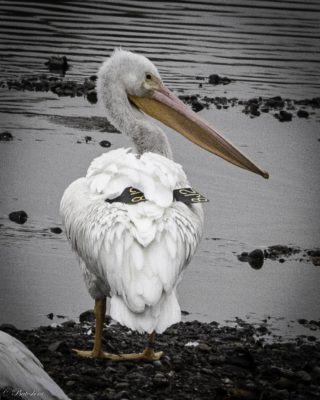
column 148, row 76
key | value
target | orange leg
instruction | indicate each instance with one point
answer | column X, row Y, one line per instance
column 96, row 352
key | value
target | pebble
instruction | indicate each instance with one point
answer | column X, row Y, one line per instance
column 215, row 79
column 20, row 217
column 87, row 316
column 283, row 116
column 160, row 379
column 105, row 143
column 6, row 136
column 204, row 347
column 56, row 230
column 256, row 258
column 302, row 113
column 303, row 376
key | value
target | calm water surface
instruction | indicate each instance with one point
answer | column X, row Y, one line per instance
column 268, row 47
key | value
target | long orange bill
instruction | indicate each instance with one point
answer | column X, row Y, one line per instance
column 164, row 106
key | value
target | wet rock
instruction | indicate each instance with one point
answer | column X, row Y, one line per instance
column 87, row 316
column 302, row 113
column 303, row 376
column 59, row 345
column 197, row 106
column 256, row 258
column 57, row 63
column 105, row 143
column 50, row 316
column 160, row 379
column 275, row 102
column 283, row 116
column 88, row 139
column 92, row 96
column 215, row 79
column 285, row 383
column 19, row 217
column 56, row 230
column 69, row 323
column 6, row 136
column 204, row 347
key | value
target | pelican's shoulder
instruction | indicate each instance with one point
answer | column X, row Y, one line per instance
column 154, row 175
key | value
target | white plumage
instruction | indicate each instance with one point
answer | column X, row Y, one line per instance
column 137, row 250
column 136, row 253
column 22, row 373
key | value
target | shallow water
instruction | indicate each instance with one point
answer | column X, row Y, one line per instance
column 269, row 48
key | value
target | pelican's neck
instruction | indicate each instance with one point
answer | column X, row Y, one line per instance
column 145, row 135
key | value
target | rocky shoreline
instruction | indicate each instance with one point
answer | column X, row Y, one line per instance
column 201, row 361
column 283, row 109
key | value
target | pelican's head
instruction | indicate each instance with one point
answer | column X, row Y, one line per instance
column 139, row 81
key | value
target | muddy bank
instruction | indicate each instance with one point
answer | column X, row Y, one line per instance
column 201, row 361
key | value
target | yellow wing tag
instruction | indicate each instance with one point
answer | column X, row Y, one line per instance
column 188, row 196
column 131, row 195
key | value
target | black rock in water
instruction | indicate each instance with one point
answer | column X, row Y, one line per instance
column 215, row 79
column 56, row 230
column 283, row 116
column 56, row 63
column 20, row 217
column 256, row 258
column 92, row 96
column 105, row 143
column 6, row 136
column 302, row 114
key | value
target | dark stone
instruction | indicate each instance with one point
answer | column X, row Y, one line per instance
column 92, row 96
column 275, row 102
column 58, row 346
column 6, row 136
column 243, row 257
column 56, row 230
column 56, row 63
column 160, row 379
column 20, row 217
column 256, row 258
column 50, row 316
column 88, row 139
column 87, row 316
column 215, row 79
column 105, row 143
column 68, row 324
column 284, row 116
column 197, row 106
column 302, row 113
column 204, row 347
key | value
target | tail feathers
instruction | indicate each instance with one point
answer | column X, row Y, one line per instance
column 154, row 318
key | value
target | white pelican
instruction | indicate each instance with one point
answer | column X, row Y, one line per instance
column 132, row 229
column 22, row 375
